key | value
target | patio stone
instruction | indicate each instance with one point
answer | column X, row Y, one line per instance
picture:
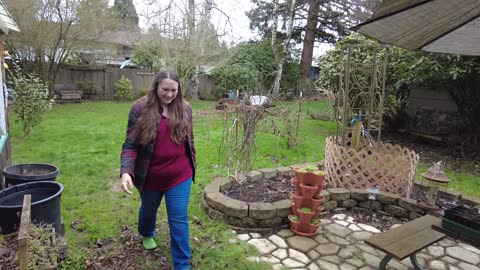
column 463, row 255
column 301, row 243
column 343, row 223
column 263, row 245
column 354, row 227
column 339, row 216
column 355, row 261
column 358, row 236
column 313, row 255
column 346, row 266
column 324, row 265
column 337, row 230
column 321, row 239
column 437, row 265
column 298, row 256
column 285, row 233
column 469, row 248
column 333, row 259
column 327, row 249
column 243, row 237
column 313, row 266
column 278, row 241
column 280, row 253
column 338, row 240
column 255, row 235
column 449, row 260
column 436, row 251
column 467, row 266
column 292, row 263
column 368, row 228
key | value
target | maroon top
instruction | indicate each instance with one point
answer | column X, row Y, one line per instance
column 170, row 165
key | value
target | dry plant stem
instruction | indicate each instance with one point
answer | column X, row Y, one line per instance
column 239, row 147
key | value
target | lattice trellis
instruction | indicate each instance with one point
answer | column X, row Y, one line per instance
column 391, row 167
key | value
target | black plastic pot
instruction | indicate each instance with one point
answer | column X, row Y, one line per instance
column 15, row 174
column 45, row 205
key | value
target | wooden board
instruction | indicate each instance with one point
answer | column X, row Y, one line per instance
column 23, row 233
column 409, row 238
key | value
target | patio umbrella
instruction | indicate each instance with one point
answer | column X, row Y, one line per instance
column 447, row 26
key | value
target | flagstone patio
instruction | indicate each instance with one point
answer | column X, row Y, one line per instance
column 339, row 245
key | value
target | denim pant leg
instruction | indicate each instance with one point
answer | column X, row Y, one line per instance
column 177, row 211
column 147, row 215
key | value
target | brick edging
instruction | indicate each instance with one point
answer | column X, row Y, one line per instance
column 267, row 217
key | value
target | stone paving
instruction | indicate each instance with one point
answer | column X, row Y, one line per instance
column 339, row 245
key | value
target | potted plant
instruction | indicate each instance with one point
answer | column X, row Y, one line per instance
column 294, row 221
column 310, row 175
column 305, row 214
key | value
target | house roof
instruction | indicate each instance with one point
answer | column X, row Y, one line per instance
column 6, row 21
column 122, row 37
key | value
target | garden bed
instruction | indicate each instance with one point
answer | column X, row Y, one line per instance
column 268, row 216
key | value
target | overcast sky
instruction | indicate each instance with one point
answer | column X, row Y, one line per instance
column 231, row 20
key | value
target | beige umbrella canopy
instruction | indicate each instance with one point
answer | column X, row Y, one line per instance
column 447, row 26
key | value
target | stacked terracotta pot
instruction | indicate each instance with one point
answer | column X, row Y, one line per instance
column 306, row 200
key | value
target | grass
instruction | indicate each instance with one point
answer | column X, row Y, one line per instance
column 84, row 141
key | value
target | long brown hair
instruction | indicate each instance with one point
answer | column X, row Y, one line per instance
column 145, row 129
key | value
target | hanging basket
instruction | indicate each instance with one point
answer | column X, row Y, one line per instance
column 391, row 167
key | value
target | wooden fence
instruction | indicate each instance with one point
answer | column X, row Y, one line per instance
column 105, row 78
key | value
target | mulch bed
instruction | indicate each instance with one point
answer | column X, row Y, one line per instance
column 126, row 252
column 265, row 190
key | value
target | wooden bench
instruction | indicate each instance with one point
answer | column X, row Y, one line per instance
column 406, row 240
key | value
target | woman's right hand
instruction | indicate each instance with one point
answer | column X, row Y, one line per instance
column 127, row 183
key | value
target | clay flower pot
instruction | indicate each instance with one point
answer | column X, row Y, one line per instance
column 317, row 202
column 319, row 190
column 296, row 184
column 294, row 209
column 310, row 175
column 294, row 221
column 309, row 227
column 305, row 216
column 308, row 191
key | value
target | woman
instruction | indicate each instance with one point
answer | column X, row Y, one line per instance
column 158, row 158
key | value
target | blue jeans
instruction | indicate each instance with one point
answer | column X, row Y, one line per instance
column 177, row 211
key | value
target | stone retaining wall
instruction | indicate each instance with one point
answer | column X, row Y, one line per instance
column 269, row 217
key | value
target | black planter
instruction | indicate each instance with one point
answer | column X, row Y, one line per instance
column 45, row 205
column 14, row 175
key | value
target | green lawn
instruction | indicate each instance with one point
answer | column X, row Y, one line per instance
column 84, row 141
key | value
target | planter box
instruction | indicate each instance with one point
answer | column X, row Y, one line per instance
column 461, row 229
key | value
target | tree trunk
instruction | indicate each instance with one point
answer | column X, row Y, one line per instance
column 309, row 39
column 191, row 17
column 280, row 56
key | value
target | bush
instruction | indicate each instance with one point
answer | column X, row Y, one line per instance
column 31, row 101
column 235, row 77
column 88, row 89
column 123, row 89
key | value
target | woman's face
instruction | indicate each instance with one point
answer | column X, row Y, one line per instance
column 167, row 91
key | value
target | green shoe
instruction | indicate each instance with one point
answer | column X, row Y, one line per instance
column 149, row 243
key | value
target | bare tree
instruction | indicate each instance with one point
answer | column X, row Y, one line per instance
column 280, row 55
column 52, row 30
